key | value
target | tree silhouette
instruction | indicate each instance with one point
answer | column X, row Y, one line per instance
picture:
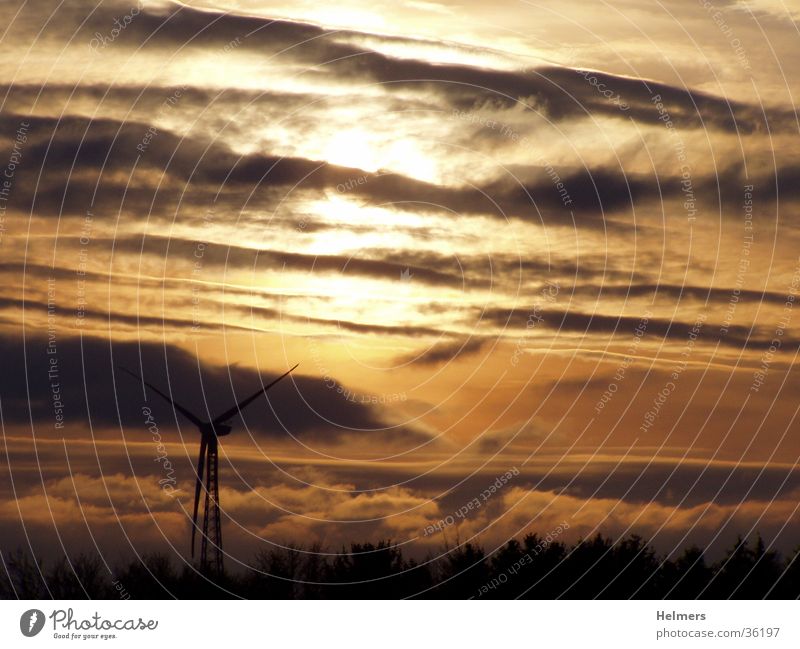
column 533, row 568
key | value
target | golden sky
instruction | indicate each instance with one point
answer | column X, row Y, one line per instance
column 556, row 239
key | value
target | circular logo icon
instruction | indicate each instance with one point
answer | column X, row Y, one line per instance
column 31, row 622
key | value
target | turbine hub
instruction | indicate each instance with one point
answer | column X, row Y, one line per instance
column 215, row 430
column 221, row 430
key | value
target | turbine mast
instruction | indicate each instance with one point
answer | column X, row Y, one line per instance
column 211, row 557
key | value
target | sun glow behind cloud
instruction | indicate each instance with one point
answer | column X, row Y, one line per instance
column 376, row 151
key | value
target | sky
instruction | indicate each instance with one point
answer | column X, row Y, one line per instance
column 553, row 241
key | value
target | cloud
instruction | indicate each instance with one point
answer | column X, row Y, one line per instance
column 662, row 525
column 70, row 159
column 677, row 291
column 89, row 390
column 559, row 92
column 440, row 353
column 738, row 336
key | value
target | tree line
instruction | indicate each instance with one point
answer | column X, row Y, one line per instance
column 532, row 568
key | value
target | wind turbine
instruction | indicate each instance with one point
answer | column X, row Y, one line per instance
column 210, row 431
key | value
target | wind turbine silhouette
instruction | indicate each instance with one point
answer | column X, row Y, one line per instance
column 209, row 460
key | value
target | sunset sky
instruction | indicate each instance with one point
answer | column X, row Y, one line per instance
column 555, row 239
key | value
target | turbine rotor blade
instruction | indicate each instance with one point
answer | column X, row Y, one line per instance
column 184, row 411
column 198, row 484
column 239, row 406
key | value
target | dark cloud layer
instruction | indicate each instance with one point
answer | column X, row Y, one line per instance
column 90, row 391
column 737, row 336
column 75, row 165
column 558, row 92
column 444, row 352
